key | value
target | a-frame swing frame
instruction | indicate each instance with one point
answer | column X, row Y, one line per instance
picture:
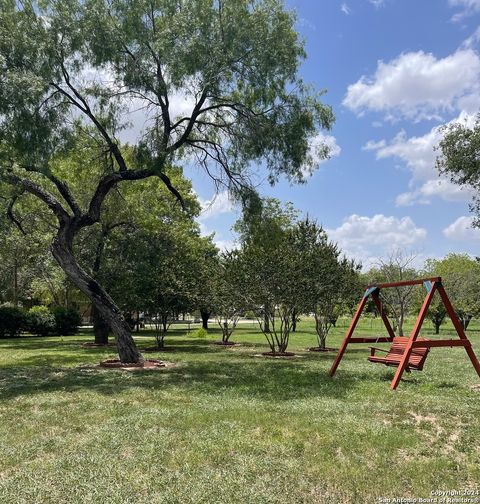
column 431, row 285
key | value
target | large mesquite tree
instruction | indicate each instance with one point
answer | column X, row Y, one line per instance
column 71, row 72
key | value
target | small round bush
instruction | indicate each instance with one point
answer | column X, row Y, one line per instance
column 67, row 320
column 40, row 321
column 200, row 333
column 12, row 320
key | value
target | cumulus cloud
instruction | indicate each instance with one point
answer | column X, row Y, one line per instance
column 416, row 85
column 316, row 153
column 367, row 238
column 440, row 188
column 462, row 230
column 220, row 203
column 345, row 9
column 419, row 155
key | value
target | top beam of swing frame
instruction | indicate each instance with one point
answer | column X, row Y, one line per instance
column 404, row 283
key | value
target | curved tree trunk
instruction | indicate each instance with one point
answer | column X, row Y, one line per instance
column 101, row 329
column 62, row 251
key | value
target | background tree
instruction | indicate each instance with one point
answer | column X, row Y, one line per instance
column 461, row 277
column 459, row 159
column 160, row 274
column 328, row 278
column 397, row 301
column 146, row 206
column 264, row 224
column 229, row 300
column 239, row 66
column 207, row 264
column 272, row 271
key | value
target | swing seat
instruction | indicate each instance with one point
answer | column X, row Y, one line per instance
column 395, row 353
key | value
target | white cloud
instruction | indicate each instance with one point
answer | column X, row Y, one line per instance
column 345, row 9
column 440, row 187
column 416, row 85
column 367, row 238
column 473, row 40
column 316, row 153
column 220, row 203
column 461, row 230
column 371, row 145
column 419, row 156
column 225, row 245
column 377, row 3
column 222, row 243
column 468, row 7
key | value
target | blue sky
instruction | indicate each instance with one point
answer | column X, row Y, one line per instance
column 394, row 70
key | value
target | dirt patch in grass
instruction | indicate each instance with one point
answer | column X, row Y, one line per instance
column 148, row 364
column 277, row 355
column 317, row 349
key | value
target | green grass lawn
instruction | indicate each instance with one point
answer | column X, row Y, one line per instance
column 225, row 427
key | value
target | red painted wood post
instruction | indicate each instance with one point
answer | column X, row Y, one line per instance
column 459, row 328
column 378, row 304
column 349, row 333
column 413, row 336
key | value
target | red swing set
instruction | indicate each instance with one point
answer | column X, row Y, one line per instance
column 410, row 352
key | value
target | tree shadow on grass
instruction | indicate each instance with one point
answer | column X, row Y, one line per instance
column 267, row 380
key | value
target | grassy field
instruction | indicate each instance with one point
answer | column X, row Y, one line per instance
column 223, row 426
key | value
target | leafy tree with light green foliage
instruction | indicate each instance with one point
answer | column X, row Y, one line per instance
column 270, row 264
column 230, row 302
column 461, row 278
column 264, row 224
column 459, row 159
column 238, row 62
column 328, row 278
column 397, row 301
column 160, row 274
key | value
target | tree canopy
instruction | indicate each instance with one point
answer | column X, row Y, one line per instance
column 460, row 158
column 70, row 73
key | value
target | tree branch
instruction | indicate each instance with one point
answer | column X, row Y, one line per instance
column 82, row 104
column 12, row 217
column 191, row 123
column 166, row 180
column 107, row 183
column 38, row 191
column 62, row 187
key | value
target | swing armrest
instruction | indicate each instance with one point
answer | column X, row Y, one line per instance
column 373, row 349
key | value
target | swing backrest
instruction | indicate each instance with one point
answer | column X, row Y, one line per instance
column 396, row 351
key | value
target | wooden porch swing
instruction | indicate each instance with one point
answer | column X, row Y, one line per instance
column 406, row 353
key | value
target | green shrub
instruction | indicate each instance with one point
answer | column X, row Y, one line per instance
column 40, row 321
column 67, row 320
column 200, row 333
column 12, row 320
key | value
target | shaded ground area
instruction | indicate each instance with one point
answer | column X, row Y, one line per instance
column 223, row 426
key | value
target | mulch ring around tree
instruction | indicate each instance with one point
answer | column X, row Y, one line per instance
column 147, row 365
column 153, row 349
column 326, row 349
column 91, row 344
column 278, row 355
